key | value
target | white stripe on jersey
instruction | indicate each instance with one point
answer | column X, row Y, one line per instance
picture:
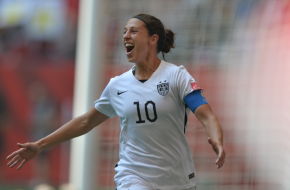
column 153, row 146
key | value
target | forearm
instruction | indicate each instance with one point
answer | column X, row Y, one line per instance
column 74, row 128
column 210, row 122
column 213, row 129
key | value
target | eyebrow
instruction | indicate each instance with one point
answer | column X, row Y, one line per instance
column 131, row 27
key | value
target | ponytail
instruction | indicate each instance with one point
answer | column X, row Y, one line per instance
column 168, row 41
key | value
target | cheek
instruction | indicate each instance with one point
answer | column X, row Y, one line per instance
column 143, row 47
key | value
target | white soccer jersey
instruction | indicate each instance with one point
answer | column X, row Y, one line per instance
column 153, row 117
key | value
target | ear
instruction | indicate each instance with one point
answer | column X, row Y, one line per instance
column 154, row 39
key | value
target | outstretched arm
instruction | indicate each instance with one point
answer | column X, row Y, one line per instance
column 213, row 128
column 74, row 128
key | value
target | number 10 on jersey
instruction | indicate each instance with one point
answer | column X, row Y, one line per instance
column 150, row 110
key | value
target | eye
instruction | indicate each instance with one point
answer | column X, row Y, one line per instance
column 134, row 31
column 130, row 30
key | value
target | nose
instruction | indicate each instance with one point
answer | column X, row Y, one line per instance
column 126, row 35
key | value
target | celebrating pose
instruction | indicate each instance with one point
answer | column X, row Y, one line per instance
column 152, row 100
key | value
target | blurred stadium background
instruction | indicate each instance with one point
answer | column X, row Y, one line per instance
column 238, row 50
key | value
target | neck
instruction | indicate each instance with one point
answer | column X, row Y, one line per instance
column 144, row 70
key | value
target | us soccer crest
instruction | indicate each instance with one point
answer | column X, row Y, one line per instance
column 163, row 88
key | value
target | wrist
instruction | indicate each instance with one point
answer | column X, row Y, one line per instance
column 217, row 141
column 41, row 144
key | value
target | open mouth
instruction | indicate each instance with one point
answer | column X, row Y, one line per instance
column 129, row 48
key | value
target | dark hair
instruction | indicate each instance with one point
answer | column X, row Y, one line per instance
column 155, row 26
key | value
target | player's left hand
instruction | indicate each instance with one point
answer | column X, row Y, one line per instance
column 219, row 150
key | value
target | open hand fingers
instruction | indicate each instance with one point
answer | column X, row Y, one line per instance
column 221, row 159
column 20, row 156
column 23, row 145
column 21, row 164
column 13, row 154
column 14, row 161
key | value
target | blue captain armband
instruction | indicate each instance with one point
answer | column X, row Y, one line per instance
column 194, row 99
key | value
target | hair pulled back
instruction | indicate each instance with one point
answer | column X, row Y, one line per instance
column 155, row 26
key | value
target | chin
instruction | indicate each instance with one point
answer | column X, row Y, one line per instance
column 131, row 59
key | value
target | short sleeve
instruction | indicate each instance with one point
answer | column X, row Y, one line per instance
column 103, row 104
column 185, row 82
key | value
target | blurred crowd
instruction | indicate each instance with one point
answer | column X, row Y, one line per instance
column 37, row 53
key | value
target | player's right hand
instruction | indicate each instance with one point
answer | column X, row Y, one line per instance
column 26, row 152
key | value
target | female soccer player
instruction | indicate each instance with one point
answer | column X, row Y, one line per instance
column 152, row 101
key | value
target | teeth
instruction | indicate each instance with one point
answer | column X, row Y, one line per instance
column 128, row 45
